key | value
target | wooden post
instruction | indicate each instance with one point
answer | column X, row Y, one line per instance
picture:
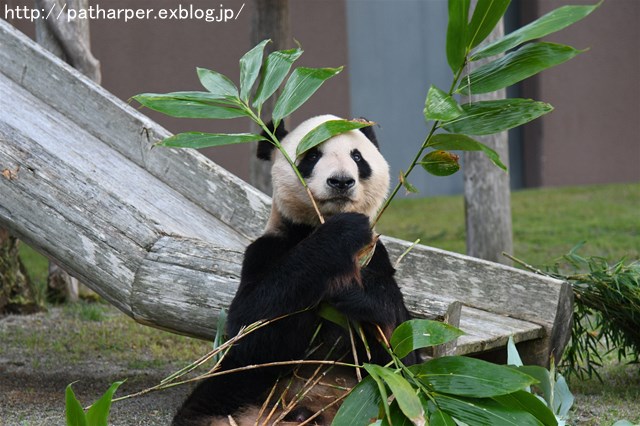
column 270, row 20
column 487, row 194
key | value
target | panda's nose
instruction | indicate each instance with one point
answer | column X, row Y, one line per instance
column 341, row 182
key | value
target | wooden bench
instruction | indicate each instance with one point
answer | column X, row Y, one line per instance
column 160, row 233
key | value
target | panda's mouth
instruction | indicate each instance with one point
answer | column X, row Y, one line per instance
column 339, row 199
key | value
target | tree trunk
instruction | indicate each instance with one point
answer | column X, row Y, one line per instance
column 16, row 293
column 270, row 20
column 487, row 194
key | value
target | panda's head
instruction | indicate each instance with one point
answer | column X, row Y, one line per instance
column 346, row 173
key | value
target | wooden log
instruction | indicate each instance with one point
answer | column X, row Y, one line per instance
column 130, row 133
column 491, row 287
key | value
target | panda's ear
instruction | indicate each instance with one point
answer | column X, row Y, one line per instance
column 370, row 134
column 265, row 148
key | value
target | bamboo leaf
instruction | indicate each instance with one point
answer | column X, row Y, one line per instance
column 516, row 66
column 440, row 106
column 326, row 131
column 189, row 105
column 483, row 412
column 219, row 85
column 302, row 83
column 373, row 371
column 457, row 33
column 440, row 163
column 396, row 416
column 485, row 17
column 73, row 410
column 488, row 117
column 418, row 333
column 541, row 375
column 562, row 397
column 276, row 68
column 98, row 414
column 407, row 185
column 198, row 140
column 440, row 418
column 456, row 142
column 403, row 392
column 250, row 65
column 464, row 376
column 530, row 403
column 550, row 23
column 360, row 406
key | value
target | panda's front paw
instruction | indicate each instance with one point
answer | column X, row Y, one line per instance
column 352, row 230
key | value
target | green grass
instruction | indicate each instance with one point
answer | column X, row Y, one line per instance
column 547, row 223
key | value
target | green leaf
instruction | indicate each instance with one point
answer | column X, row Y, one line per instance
column 464, row 376
column 250, row 65
column 440, row 106
column 407, row 185
column 396, row 416
column 326, row 131
column 98, row 414
column 420, row 333
column 457, row 33
column 360, row 406
column 220, row 337
column 198, row 140
column 525, row 401
column 440, row 418
column 453, row 142
column 440, row 163
column 275, row 69
column 218, row 84
column 541, row 375
column 513, row 357
column 483, row 412
column 488, row 117
column 516, row 66
column 302, row 83
column 189, row 105
column 562, row 397
column 73, row 410
column 373, row 371
column 550, row 23
column 403, row 392
column 330, row 313
column 485, row 17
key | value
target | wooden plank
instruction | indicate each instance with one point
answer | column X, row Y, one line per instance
column 130, row 133
column 486, row 331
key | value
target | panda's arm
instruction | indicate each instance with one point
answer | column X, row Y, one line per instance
column 277, row 280
column 379, row 299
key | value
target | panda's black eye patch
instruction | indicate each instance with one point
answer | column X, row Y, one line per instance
column 309, row 161
column 364, row 169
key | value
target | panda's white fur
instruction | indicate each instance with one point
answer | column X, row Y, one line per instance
column 292, row 201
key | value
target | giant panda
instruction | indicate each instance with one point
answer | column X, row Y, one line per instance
column 297, row 265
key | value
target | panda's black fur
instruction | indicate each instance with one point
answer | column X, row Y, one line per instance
column 298, row 264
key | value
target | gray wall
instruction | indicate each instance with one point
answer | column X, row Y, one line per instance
column 396, row 51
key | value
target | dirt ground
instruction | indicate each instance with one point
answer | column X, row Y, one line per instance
column 34, row 374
